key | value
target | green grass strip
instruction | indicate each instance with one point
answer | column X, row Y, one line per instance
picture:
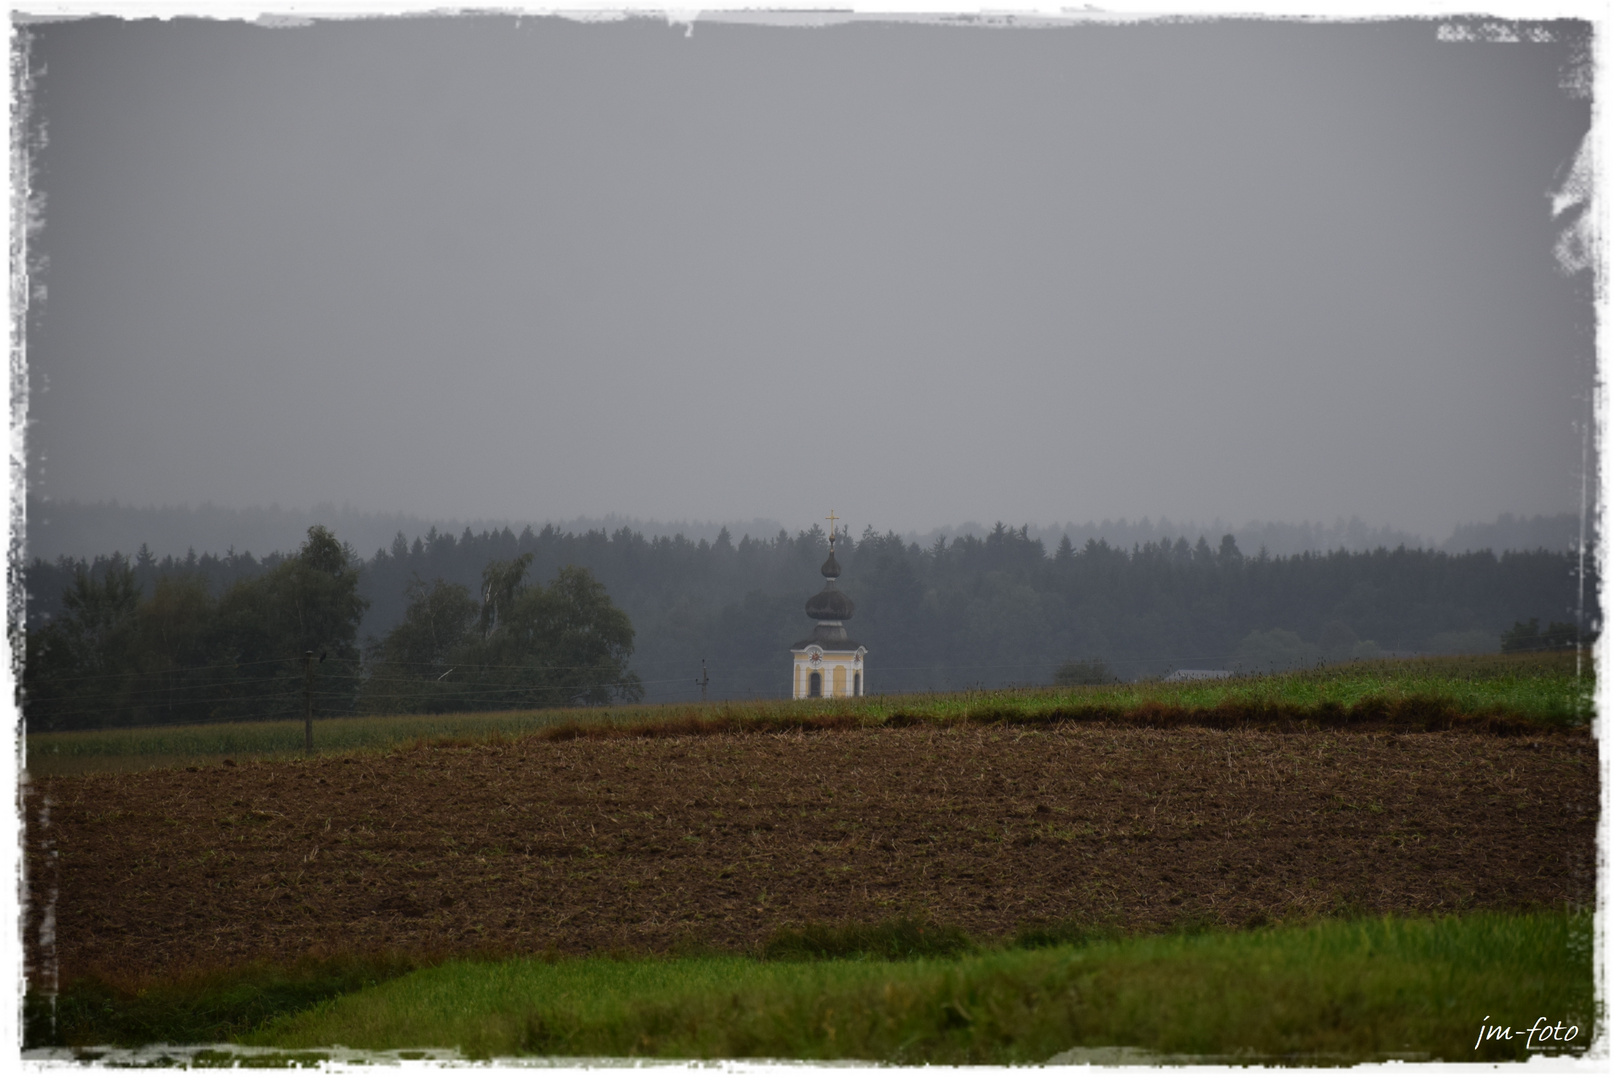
column 1535, row 690
column 209, row 1007
column 1329, row 992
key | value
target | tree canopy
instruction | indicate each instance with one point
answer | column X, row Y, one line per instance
column 525, row 646
column 179, row 654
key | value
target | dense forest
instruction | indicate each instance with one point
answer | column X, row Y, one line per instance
column 993, row 610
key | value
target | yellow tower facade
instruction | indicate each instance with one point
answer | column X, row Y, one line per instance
column 827, row 663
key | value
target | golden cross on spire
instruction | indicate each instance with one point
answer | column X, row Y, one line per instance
column 832, row 520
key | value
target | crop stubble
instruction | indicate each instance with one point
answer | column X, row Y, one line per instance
column 651, row 843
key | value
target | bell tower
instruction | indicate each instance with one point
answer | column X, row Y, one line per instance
column 827, row 663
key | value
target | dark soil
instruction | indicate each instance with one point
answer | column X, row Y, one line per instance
column 721, row 840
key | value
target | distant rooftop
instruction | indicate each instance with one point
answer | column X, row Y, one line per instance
column 1192, row 674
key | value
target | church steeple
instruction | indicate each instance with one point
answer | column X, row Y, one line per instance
column 828, row 664
column 830, row 605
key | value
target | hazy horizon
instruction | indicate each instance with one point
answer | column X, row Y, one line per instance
column 1239, row 270
column 86, row 530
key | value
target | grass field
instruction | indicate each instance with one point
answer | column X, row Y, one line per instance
column 1534, row 688
column 1330, row 992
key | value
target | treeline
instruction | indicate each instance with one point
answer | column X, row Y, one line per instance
column 175, row 648
column 992, row 610
column 1002, row 609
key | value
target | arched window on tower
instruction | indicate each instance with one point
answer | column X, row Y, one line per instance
column 858, row 678
column 813, row 685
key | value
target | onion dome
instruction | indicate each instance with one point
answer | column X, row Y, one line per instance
column 828, row 607
column 829, row 604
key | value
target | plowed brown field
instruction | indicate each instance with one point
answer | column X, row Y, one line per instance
column 645, row 843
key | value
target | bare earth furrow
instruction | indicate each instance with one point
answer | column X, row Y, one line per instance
column 648, row 843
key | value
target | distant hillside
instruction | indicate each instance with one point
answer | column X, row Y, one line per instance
column 85, row 530
column 1278, row 538
column 1552, row 532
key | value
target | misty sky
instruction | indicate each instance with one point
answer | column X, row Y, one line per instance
column 488, row 267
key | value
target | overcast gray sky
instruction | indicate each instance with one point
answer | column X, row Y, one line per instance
column 489, row 267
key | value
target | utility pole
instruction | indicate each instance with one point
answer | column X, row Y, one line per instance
column 308, row 701
column 703, row 680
